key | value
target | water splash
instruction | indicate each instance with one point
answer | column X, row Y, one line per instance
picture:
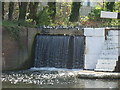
column 40, row 77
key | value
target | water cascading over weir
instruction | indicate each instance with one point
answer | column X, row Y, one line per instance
column 59, row 51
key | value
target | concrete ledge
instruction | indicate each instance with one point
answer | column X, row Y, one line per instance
column 60, row 32
column 98, row 75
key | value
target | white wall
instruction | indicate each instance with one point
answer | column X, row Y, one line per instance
column 95, row 38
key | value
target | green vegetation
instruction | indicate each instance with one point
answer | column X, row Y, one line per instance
column 17, row 23
column 109, row 6
column 43, row 17
column 9, row 23
column 34, row 14
column 14, row 32
column 12, row 28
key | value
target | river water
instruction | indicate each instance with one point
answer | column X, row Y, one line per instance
column 53, row 78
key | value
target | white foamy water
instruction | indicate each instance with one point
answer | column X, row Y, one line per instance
column 54, row 69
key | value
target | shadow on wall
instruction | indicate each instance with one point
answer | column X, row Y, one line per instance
column 118, row 65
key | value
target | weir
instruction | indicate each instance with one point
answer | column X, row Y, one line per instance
column 59, row 60
column 59, row 51
column 62, row 49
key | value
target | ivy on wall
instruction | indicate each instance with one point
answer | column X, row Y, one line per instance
column 15, row 34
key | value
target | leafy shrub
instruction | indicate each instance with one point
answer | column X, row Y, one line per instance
column 95, row 14
column 43, row 17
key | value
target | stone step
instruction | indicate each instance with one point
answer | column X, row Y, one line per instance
column 106, row 65
column 106, row 61
column 114, row 33
column 113, row 41
column 110, row 42
column 108, row 69
column 110, row 49
column 112, row 37
column 109, row 53
column 108, row 57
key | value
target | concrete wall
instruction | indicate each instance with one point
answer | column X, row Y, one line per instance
column 94, row 40
column 15, row 53
column 18, row 55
